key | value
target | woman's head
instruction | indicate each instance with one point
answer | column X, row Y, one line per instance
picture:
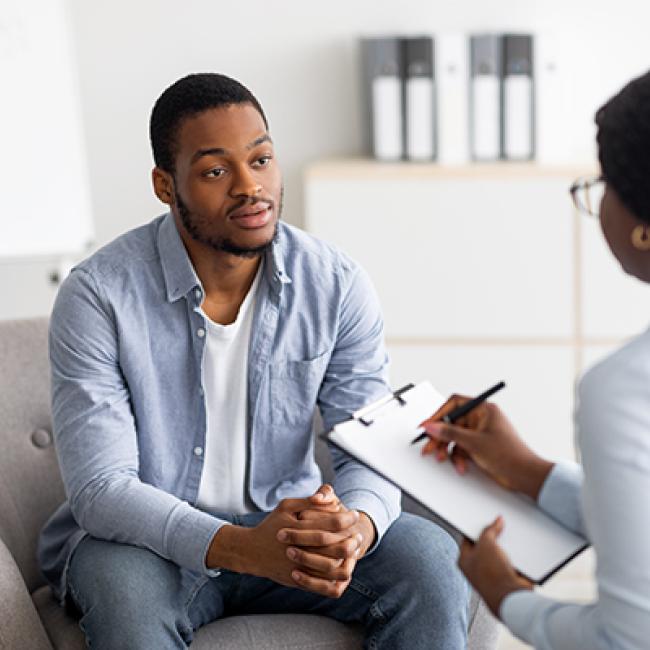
column 624, row 153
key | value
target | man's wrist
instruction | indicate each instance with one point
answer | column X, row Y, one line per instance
column 226, row 550
column 369, row 531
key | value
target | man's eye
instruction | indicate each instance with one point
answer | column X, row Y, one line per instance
column 215, row 173
column 263, row 161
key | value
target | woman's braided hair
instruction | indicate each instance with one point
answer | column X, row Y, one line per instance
column 624, row 145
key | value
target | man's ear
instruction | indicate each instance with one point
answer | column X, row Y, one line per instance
column 163, row 185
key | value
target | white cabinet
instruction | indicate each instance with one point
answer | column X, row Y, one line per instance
column 453, row 257
column 485, row 272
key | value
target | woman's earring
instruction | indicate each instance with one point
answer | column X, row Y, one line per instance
column 641, row 238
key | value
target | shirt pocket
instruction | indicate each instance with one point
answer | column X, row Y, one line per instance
column 294, row 391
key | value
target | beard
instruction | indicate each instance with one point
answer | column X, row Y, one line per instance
column 196, row 227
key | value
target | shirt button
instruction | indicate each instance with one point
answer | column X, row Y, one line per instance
column 197, row 293
column 198, row 451
column 200, row 332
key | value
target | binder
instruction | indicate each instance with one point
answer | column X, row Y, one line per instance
column 485, row 97
column 518, row 106
column 553, row 135
column 382, row 69
column 452, row 85
column 379, row 436
column 419, row 98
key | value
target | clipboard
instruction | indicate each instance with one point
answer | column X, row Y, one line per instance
column 379, row 436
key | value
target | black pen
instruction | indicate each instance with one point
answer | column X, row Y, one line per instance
column 464, row 409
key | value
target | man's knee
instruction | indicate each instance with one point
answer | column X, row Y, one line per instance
column 123, row 587
column 424, row 556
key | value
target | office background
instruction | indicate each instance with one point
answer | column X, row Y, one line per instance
column 301, row 60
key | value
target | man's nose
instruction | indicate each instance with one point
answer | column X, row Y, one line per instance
column 245, row 184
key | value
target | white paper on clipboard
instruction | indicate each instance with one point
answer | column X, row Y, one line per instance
column 380, row 435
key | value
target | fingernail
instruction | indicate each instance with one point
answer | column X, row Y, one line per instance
column 282, row 536
column 292, row 553
column 296, row 576
column 433, row 427
column 359, row 537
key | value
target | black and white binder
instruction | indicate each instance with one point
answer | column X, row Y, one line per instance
column 419, row 98
column 518, row 97
column 380, row 436
column 485, row 97
column 452, row 98
column 382, row 68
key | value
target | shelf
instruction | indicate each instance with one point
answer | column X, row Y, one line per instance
column 367, row 168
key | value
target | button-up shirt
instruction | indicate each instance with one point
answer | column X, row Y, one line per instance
column 127, row 338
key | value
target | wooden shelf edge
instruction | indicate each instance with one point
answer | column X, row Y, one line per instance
column 366, row 168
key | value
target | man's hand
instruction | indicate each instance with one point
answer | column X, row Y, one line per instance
column 488, row 568
column 329, row 548
column 486, row 436
column 258, row 551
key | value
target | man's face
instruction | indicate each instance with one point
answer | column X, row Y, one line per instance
column 227, row 183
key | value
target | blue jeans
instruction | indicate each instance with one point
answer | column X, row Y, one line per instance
column 407, row 594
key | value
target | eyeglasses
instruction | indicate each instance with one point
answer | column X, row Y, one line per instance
column 587, row 194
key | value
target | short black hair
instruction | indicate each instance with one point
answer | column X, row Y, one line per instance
column 186, row 97
column 624, row 145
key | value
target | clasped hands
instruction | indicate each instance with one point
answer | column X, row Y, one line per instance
column 327, row 543
column 312, row 543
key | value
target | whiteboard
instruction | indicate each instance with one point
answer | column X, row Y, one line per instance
column 44, row 189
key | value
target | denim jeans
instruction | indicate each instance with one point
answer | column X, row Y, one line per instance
column 407, row 594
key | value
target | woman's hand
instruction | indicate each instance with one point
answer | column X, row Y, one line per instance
column 488, row 568
column 486, row 436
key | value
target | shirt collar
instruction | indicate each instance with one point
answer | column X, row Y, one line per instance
column 180, row 276
column 275, row 268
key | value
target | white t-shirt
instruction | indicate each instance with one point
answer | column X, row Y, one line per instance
column 225, row 384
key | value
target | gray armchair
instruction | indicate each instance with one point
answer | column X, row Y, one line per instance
column 31, row 489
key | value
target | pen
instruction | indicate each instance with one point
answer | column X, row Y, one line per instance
column 464, row 409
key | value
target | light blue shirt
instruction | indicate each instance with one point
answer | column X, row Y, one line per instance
column 607, row 501
column 127, row 340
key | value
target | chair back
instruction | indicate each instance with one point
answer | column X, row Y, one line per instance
column 30, row 482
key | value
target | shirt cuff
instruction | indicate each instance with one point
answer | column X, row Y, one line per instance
column 518, row 610
column 560, row 495
column 564, row 476
column 191, row 538
column 369, row 503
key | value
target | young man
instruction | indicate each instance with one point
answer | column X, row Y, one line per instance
column 188, row 357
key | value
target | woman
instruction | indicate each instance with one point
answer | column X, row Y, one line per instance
column 607, row 499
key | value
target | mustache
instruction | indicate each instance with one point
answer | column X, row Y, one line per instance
column 252, row 201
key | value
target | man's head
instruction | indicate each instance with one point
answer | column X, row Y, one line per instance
column 215, row 164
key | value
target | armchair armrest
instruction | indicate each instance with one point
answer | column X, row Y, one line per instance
column 20, row 625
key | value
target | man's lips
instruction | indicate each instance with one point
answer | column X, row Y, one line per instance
column 253, row 216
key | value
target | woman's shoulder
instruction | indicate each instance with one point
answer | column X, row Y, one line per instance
column 617, row 388
column 629, row 362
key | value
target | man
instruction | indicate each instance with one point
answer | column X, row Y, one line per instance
column 188, row 357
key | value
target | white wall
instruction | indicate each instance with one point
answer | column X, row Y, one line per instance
column 300, row 59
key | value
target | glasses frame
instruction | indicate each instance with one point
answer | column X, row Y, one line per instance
column 584, row 184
